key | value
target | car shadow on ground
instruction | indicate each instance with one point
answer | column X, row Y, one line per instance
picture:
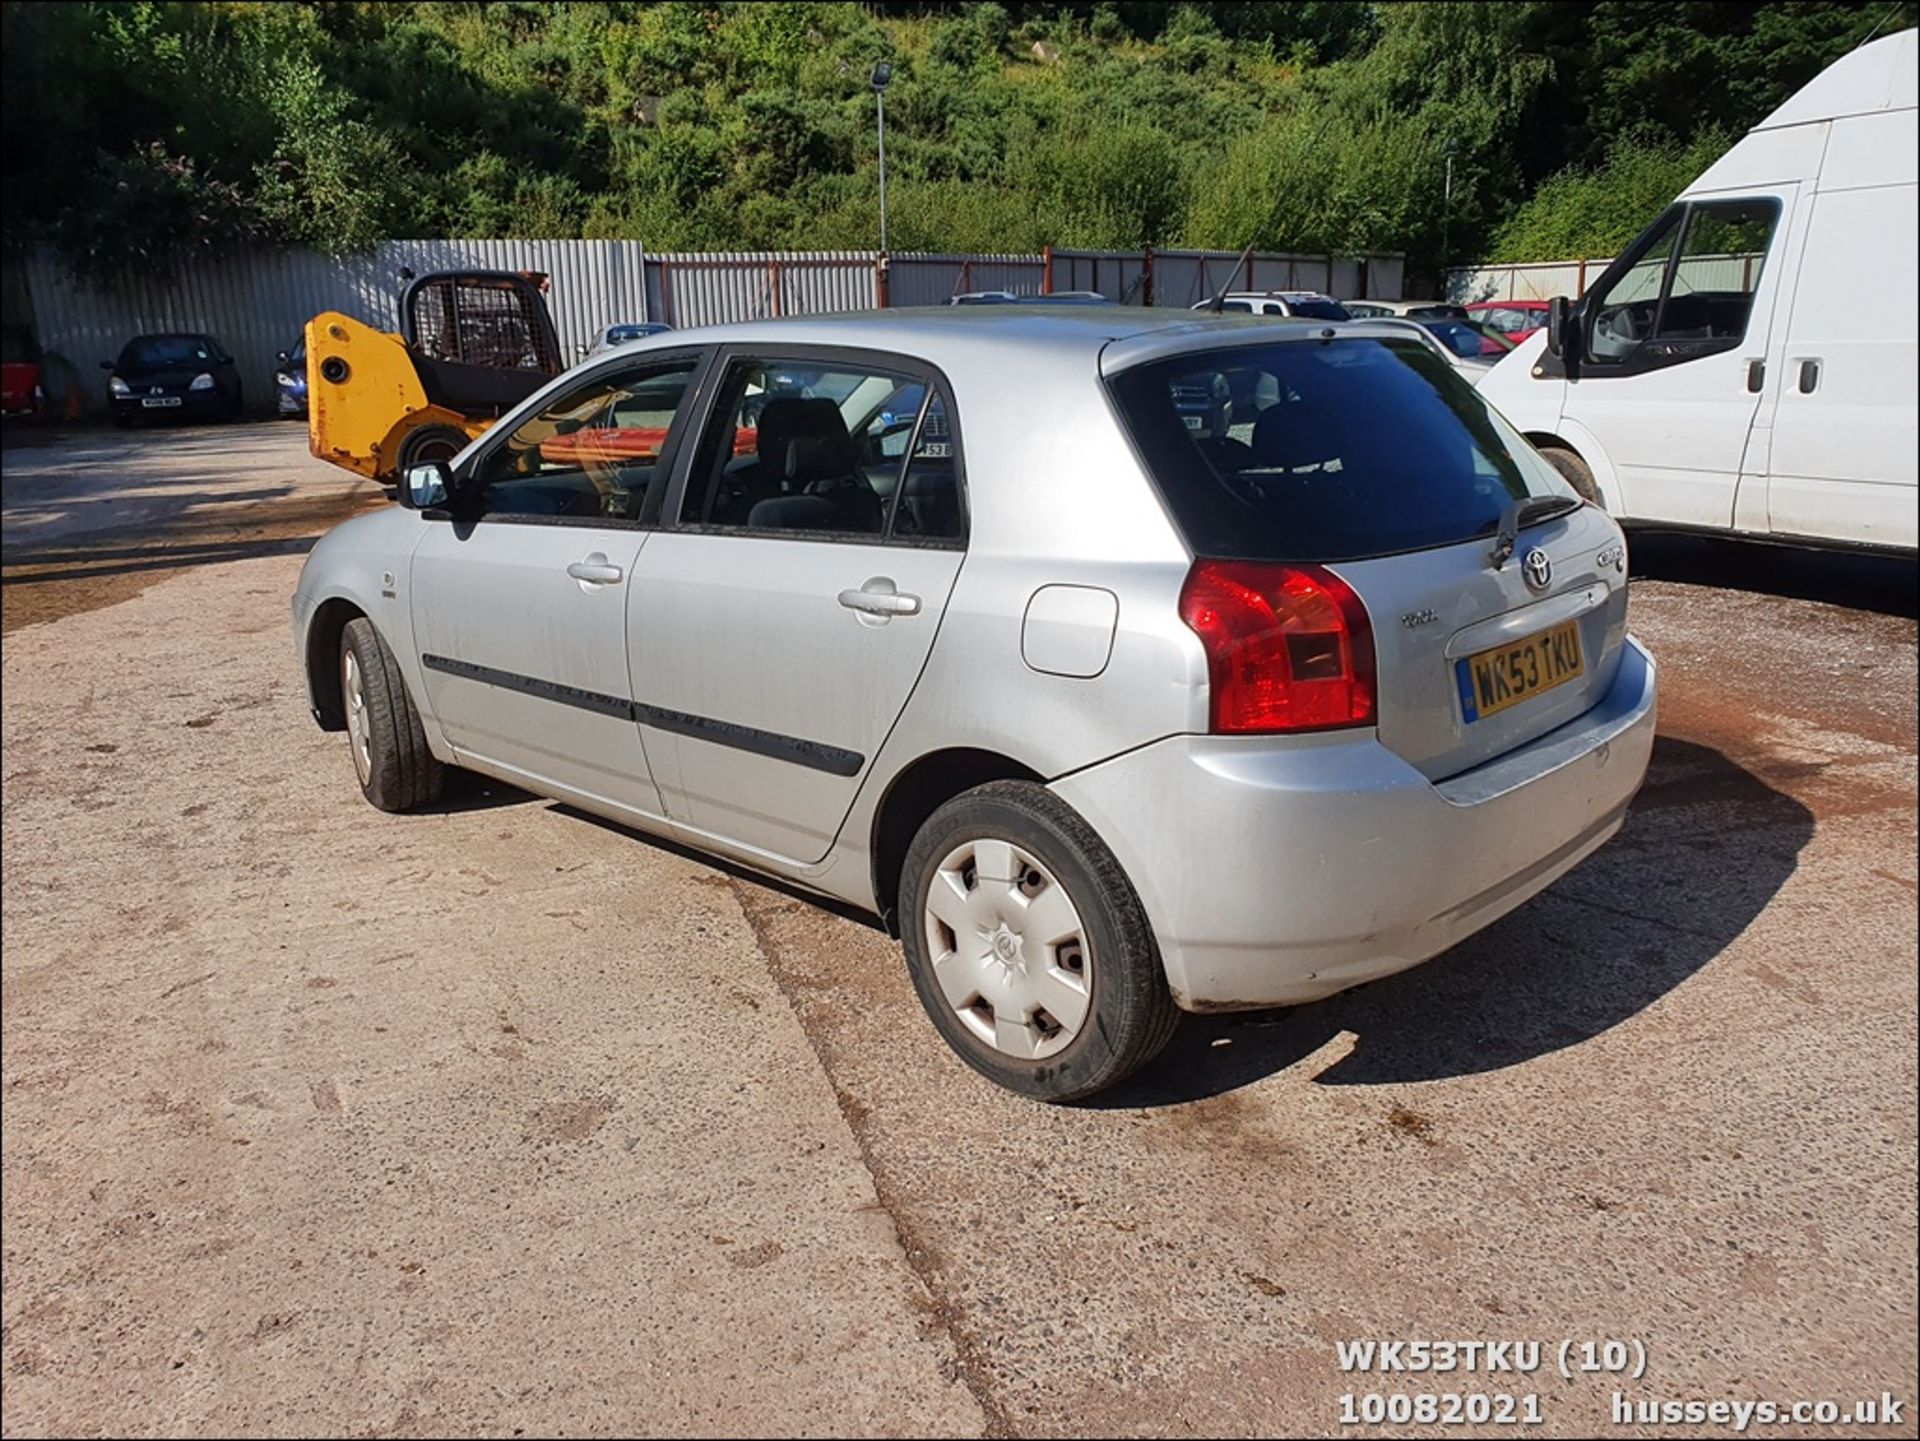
column 1889, row 584
column 470, row 791
column 1705, row 848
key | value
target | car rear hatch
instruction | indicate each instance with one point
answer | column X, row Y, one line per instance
column 1496, row 601
column 1473, row 660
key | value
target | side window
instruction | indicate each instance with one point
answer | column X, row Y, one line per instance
column 1710, row 296
column 1691, row 283
column 593, row 453
column 803, row 447
column 929, row 506
column 1623, row 310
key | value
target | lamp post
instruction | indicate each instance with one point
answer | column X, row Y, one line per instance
column 1446, row 207
column 880, row 78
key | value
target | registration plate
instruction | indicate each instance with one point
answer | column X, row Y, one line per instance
column 1195, row 422
column 160, row 402
column 1495, row 679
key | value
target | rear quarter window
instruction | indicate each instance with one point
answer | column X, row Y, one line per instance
column 1325, row 450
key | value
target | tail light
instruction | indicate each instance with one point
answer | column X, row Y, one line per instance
column 1289, row 647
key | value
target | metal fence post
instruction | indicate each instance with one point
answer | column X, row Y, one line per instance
column 1046, row 270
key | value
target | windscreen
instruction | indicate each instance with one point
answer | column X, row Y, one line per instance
column 1326, row 450
column 151, row 352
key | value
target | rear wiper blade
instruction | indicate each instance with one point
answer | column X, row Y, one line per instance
column 1517, row 514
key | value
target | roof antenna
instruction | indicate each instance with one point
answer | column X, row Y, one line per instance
column 1219, row 301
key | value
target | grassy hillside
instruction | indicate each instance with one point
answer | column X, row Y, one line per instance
column 143, row 132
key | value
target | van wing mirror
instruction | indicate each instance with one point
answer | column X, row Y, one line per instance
column 1557, row 325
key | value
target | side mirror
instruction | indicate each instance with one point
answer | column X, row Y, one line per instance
column 106, row 365
column 427, row 486
column 282, row 357
column 1557, row 325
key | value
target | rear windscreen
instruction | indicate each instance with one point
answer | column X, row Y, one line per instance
column 1324, row 450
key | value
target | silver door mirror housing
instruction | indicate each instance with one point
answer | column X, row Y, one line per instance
column 428, row 486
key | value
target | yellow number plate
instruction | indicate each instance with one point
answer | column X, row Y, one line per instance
column 1495, row 679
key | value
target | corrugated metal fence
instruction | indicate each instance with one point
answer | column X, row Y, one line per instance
column 1541, row 281
column 255, row 303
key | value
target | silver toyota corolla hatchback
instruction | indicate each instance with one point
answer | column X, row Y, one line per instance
column 1121, row 661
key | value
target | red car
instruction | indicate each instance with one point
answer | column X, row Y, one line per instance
column 20, row 392
column 1516, row 319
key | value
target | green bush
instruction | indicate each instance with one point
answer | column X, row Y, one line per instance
column 1593, row 214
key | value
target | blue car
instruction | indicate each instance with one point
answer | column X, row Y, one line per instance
column 290, row 381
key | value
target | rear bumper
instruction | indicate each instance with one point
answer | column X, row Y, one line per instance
column 1275, row 872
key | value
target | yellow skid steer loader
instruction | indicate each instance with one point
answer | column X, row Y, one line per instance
column 472, row 345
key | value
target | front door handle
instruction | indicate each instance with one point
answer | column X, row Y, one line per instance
column 1809, row 375
column 596, row 570
column 878, row 597
column 1756, row 376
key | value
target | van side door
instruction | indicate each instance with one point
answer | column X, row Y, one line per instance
column 1842, row 464
column 1673, row 354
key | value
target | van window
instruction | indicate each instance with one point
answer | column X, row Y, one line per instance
column 1326, row 450
column 1693, row 281
column 1623, row 310
column 1711, row 293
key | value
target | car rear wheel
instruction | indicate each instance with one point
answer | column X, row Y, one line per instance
column 388, row 742
column 1574, row 471
column 1028, row 946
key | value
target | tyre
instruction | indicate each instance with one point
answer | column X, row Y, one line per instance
column 1574, row 471
column 384, row 733
column 1028, row 946
column 428, row 443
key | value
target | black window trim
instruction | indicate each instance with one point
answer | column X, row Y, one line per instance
column 889, row 362
column 651, row 508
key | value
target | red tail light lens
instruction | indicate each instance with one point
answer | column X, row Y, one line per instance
column 1289, row 647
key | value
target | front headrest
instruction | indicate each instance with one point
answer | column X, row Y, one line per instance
column 819, row 457
column 787, row 417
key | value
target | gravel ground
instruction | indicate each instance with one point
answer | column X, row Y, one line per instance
column 499, row 1119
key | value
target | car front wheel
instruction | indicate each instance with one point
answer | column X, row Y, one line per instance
column 396, row 770
column 1028, row 946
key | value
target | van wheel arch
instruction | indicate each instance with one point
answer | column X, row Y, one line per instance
column 913, row 796
column 1572, row 466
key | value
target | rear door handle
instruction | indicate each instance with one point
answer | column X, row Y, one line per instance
column 878, row 597
column 1809, row 375
column 596, row 570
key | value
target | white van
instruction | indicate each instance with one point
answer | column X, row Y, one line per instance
column 1749, row 363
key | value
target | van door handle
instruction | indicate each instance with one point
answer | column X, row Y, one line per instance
column 1756, row 376
column 595, row 570
column 1809, row 375
column 878, row 597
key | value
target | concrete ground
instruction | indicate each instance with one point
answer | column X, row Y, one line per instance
column 499, row 1119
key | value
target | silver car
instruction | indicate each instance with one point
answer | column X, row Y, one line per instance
column 1108, row 701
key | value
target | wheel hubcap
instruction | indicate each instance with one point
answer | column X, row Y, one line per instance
column 1008, row 948
column 359, row 733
